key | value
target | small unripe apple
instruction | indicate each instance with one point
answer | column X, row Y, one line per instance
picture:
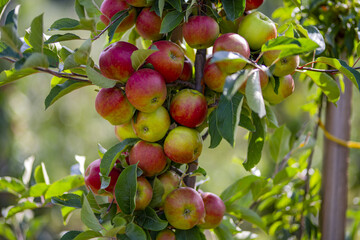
column 170, row 181
column 146, row 90
column 115, row 61
column 200, row 31
column 139, row 3
column 166, row 234
column 150, row 157
column 153, row 126
column 184, row 208
column 183, row 145
column 253, row 4
column 284, row 66
column 214, row 209
column 257, row 29
column 214, row 78
column 286, row 88
column 186, row 73
column 112, row 104
column 148, row 25
column 263, row 77
column 189, row 108
column 109, row 8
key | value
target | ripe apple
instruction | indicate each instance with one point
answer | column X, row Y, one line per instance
column 124, row 131
column 110, row 7
column 139, row 3
column 264, row 26
column 112, row 104
column 168, row 61
column 184, row 208
column 214, row 78
column 148, row 25
column 153, row 126
column 189, row 108
column 166, row 234
column 115, row 61
column 214, row 209
column 186, row 73
column 150, row 157
column 146, row 90
column 144, row 193
column 253, row 4
column 170, row 181
column 183, row 145
column 284, row 66
column 93, row 180
column 263, row 77
column 200, row 31
column 286, row 88
column 232, row 42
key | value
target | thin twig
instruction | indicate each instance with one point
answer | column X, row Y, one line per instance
column 107, row 27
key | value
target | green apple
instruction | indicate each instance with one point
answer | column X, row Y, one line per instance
column 124, row 131
column 283, row 66
column 286, row 88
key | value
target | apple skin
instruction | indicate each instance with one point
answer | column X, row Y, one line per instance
column 92, row 177
column 183, row 145
column 115, row 61
column 214, row 209
column 232, row 42
column 200, row 31
column 253, row 4
column 150, row 157
column 284, row 66
column 186, row 73
column 286, row 88
column 144, row 193
column 170, row 181
column 213, row 77
column 189, row 108
column 146, row 90
column 166, row 234
column 124, row 131
column 265, row 29
column 112, row 104
column 168, row 61
column 264, row 79
column 139, row 3
column 148, row 25
column 184, row 208
column 109, row 8
column 153, row 126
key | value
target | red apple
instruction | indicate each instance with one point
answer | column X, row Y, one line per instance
column 183, row 145
column 115, row 61
column 148, row 25
column 150, row 157
column 283, row 66
column 170, row 181
column 286, row 88
column 200, row 31
column 139, row 3
column 169, row 60
column 184, row 208
column 186, row 73
column 92, row 177
column 214, row 78
column 263, row 77
column 166, row 234
column 124, row 131
column 189, row 108
column 232, row 42
column 144, row 193
column 146, row 90
column 110, row 7
column 253, row 4
column 257, row 29
column 215, row 210
column 153, row 126
column 112, row 104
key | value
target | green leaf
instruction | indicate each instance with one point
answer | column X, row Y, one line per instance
column 65, row 24
column 5, row 231
column 79, row 9
column 250, row 216
column 64, row 185
column 62, row 89
column 113, row 27
column 175, row 4
column 171, row 21
column 285, row 174
column 233, row 83
column 69, row 200
column 234, row 8
column 148, row 219
column 88, row 235
column 20, row 207
column 161, row 4
column 133, row 232
column 238, row 189
column 125, row 189
column 2, row 5
column 138, row 57
column 343, row 67
column 189, row 9
column 315, row 35
column 88, row 217
column 10, row 37
column 8, row 76
column 36, row 34
column 91, row 9
column 256, row 143
column 70, row 235
column 245, row 118
column 253, row 94
column 36, row 60
column 38, row 190
column 115, row 230
column 279, row 143
column 199, row 171
column 271, row 117
column 61, row 37
column 358, row 50
column 158, row 192
column 98, row 79
column 6, row 51
column 81, row 55
column 191, row 234
column 40, row 174
column 223, row 232
column 229, row 57
column 12, row 185
column 327, row 85
column 213, row 130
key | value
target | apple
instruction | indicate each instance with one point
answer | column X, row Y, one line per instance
column 189, row 107
column 263, row 77
column 124, row 131
column 214, row 209
column 168, row 61
column 253, row 4
column 170, row 181
column 150, row 157
column 112, row 104
column 109, row 8
column 115, row 61
column 232, row 42
column 166, row 234
column 139, row 3
column 183, row 145
column 92, row 177
column 213, row 77
column 200, row 31
column 153, row 126
column 257, row 29
column 148, row 25
column 286, row 88
column 146, row 90
column 184, row 208
column 186, row 73
column 284, row 66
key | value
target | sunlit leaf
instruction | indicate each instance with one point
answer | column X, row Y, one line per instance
column 12, row 185
column 64, row 185
column 20, row 207
column 88, row 217
column 98, row 79
column 138, row 57
column 253, row 94
column 36, row 33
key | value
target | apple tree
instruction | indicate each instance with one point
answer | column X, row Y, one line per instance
column 173, row 73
